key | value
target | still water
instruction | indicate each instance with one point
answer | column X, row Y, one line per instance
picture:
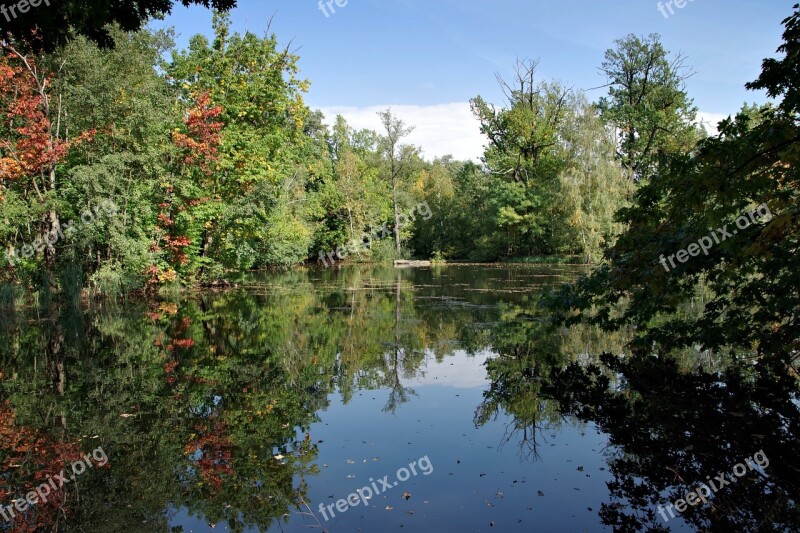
column 440, row 397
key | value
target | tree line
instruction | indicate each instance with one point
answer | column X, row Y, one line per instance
column 215, row 163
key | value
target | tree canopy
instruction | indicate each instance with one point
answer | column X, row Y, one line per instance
column 49, row 24
column 744, row 277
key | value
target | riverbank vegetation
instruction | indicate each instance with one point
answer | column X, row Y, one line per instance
column 214, row 163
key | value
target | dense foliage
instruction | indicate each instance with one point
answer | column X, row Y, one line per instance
column 123, row 171
column 65, row 19
column 733, row 205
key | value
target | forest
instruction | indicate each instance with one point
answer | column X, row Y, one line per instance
column 133, row 167
column 199, row 278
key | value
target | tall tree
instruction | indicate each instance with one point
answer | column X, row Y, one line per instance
column 266, row 166
column 525, row 154
column 398, row 158
column 119, row 93
column 647, row 103
column 592, row 187
column 34, row 145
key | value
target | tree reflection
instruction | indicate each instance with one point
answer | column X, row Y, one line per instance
column 675, row 429
column 671, row 425
column 204, row 404
column 529, row 351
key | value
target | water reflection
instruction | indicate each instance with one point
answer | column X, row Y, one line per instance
column 208, row 405
column 674, row 430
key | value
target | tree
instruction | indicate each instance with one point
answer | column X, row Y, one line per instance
column 554, row 182
column 34, row 146
column 118, row 93
column 398, row 158
column 47, row 27
column 268, row 165
column 523, row 138
column 733, row 205
column 525, row 155
column 592, row 187
column 647, row 103
column 186, row 218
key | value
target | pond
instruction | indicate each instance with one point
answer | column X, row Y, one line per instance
column 371, row 399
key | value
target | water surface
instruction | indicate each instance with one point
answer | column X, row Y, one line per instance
column 246, row 409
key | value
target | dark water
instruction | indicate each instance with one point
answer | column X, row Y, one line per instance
column 245, row 409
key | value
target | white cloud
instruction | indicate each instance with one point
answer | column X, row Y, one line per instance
column 439, row 129
column 710, row 120
column 458, row 371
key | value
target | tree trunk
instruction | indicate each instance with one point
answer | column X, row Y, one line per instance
column 51, row 235
column 396, row 217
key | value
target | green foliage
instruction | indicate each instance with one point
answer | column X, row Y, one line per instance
column 267, row 161
column 750, row 274
column 216, row 165
column 48, row 28
column 591, row 188
column 552, row 184
column 647, row 103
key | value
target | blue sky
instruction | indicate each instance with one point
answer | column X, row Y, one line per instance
column 427, row 58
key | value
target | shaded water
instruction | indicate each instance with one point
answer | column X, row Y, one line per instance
column 247, row 409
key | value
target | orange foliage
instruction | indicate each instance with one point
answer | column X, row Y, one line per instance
column 201, row 144
column 215, row 449
column 34, row 149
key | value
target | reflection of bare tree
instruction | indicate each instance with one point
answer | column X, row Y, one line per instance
column 396, row 363
column 516, row 389
column 528, row 349
column 54, row 358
